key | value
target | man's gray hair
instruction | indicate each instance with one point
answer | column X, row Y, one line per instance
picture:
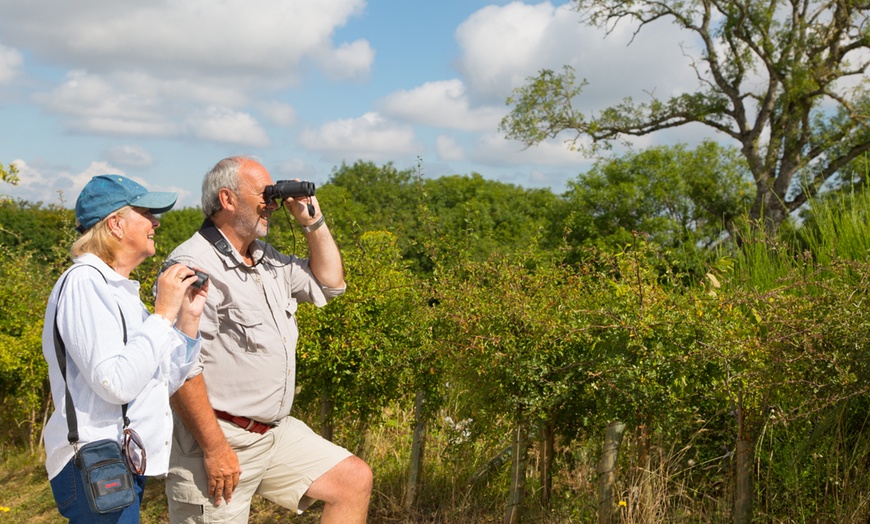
column 225, row 174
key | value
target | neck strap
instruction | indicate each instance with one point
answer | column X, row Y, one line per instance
column 210, row 232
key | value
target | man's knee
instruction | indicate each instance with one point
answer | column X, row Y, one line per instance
column 349, row 480
column 362, row 474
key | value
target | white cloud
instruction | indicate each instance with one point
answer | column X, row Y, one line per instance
column 442, row 104
column 196, row 39
column 52, row 184
column 349, row 61
column 449, row 149
column 370, row 137
column 160, row 69
column 10, row 62
column 92, row 104
column 278, row 113
column 60, row 185
column 502, row 46
column 132, row 156
column 228, row 126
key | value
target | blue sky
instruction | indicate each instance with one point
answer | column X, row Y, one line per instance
column 160, row 91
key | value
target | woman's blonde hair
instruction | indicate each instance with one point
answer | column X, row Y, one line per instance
column 99, row 239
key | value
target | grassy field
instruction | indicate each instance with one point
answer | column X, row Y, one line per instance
column 26, row 497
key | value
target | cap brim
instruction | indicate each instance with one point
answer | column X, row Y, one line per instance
column 157, row 202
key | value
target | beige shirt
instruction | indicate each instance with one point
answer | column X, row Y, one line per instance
column 249, row 327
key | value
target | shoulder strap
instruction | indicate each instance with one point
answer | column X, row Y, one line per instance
column 210, row 232
column 60, row 352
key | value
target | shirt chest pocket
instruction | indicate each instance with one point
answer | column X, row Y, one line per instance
column 245, row 329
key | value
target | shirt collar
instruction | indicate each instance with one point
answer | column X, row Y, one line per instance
column 107, row 271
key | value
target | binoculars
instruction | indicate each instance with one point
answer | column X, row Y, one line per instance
column 201, row 276
column 288, row 188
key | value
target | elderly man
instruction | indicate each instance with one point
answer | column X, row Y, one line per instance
column 236, row 437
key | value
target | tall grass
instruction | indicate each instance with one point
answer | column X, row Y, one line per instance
column 840, row 227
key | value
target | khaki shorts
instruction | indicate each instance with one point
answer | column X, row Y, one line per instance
column 278, row 465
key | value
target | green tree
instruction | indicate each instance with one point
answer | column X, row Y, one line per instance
column 9, row 175
column 353, row 355
column 41, row 228
column 498, row 217
column 774, row 76
column 25, row 283
column 485, row 215
column 680, row 199
column 507, row 330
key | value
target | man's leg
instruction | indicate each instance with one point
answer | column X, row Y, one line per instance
column 345, row 491
column 306, row 467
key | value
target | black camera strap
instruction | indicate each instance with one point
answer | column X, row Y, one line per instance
column 210, row 232
column 60, row 351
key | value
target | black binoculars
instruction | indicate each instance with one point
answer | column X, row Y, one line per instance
column 288, row 188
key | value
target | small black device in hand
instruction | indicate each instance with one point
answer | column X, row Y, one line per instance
column 201, row 276
column 283, row 189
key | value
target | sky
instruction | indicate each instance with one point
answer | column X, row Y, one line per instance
column 160, row 91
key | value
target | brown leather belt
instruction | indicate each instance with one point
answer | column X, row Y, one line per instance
column 245, row 423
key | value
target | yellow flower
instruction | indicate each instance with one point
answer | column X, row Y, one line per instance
column 623, row 503
column 4, row 509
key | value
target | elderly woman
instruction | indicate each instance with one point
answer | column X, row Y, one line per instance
column 119, row 357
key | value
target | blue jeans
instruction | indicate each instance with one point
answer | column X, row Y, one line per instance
column 69, row 495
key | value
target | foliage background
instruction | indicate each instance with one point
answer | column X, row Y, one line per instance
column 485, row 301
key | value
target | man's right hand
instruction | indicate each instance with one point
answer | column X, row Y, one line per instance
column 222, row 468
column 221, row 463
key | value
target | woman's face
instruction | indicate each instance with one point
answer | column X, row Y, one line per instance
column 138, row 227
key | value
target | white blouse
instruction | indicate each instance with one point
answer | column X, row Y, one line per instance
column 103, row 373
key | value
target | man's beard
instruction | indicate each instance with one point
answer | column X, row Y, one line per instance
column 249, row 224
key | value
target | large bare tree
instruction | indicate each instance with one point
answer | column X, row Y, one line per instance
column 786, row 79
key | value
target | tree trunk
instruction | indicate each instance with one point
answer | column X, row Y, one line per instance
column 768, row 211
column 418, row 448
column 519, row 458
column 606, row 471
column 326, row 426
column 644, row 474
column 546, row 451
column 364, row 447
column 743, row 493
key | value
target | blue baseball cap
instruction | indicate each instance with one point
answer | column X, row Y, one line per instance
column 105, row 194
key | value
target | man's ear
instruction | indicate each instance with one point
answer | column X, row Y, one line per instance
column 229, row 200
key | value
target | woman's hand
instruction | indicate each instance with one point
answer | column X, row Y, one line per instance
column 171, row 284
column 178, row 300
column 192, row 306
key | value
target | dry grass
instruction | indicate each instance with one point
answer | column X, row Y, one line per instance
column 673, row 488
